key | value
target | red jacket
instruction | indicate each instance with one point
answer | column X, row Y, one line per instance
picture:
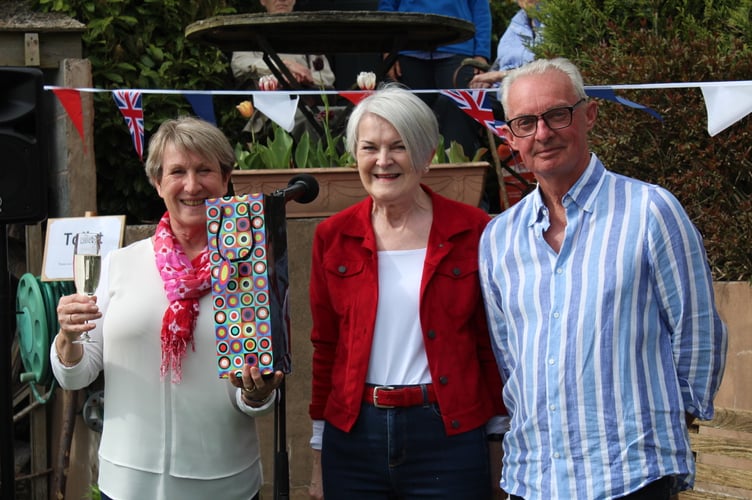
column 343, row 295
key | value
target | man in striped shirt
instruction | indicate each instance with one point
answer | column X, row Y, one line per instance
column 601, row 311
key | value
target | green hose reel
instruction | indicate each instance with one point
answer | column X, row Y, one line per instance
column 36, row 326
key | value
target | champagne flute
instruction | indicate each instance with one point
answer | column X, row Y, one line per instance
column 87, row 262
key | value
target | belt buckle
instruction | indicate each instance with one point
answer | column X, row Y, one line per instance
column 376, row 396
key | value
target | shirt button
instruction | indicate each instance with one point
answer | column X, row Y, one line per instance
column 443, row 380
column 551, row 361
column 556, row 315
column 342, row 269
column 552, row 407
column 556, row 455
column 456, row 271
column 431, row 334
column 455, row 424
column 559, row 271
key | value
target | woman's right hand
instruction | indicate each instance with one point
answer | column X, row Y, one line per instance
column 316, row 488
column 75, row 314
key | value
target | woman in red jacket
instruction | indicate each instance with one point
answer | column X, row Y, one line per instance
column 405, row 385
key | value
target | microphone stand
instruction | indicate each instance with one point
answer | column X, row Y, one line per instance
column 281, row 460
column 302, row 188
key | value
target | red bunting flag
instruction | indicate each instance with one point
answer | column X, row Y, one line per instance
column 71, row 101
column 355, row 96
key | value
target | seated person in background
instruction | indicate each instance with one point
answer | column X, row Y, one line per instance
column 514, row 47
column 438, row 69
column 308, row 70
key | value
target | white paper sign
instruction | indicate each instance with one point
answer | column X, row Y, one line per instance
column 58, row 248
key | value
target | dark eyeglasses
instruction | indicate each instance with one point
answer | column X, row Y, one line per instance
column 555, row 119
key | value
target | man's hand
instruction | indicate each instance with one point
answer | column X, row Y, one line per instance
column 300, row 72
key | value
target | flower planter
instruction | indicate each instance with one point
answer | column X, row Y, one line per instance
column 340, row 187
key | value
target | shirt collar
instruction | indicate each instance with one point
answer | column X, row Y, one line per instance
column 582, row 193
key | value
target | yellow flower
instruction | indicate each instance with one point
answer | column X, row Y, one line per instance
column 245, row 108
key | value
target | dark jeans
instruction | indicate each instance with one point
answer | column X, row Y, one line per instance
column 657, row 490
column 404, row 453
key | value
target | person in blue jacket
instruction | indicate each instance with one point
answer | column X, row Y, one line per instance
column 436, row 69
column 515, row 46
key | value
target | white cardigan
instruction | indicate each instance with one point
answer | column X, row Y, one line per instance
column 162, row 440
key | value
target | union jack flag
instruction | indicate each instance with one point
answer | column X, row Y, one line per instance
column 476, row 104
column 129, row 103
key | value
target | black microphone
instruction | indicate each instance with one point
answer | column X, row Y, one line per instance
column 303, row 188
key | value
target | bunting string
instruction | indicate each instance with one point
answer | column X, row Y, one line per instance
column 726, row 102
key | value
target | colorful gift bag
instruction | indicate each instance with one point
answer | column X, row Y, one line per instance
column 248, row 252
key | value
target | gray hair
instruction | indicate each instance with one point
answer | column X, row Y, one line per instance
column 192, row 135
column 538, row 67
column 413, row 120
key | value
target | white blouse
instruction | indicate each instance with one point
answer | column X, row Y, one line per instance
column 162, row 440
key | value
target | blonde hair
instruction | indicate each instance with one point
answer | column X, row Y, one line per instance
column 191, row 135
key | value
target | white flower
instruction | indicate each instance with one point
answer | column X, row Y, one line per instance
column 366, row 80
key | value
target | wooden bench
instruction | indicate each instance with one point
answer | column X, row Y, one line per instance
column 723, row 449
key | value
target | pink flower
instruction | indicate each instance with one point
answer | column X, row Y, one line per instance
column 268, row 82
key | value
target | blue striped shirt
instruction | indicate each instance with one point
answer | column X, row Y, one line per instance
column 604, row 346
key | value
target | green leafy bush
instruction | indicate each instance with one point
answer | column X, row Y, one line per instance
column 647, row 41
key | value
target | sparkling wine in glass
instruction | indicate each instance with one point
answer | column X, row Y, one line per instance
column 87, row 262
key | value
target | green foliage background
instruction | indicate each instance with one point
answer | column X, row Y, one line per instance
column 654, row 41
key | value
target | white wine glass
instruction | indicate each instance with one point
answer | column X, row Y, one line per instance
column 87, row 264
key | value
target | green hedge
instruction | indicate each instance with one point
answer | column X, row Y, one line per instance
column 644, row 41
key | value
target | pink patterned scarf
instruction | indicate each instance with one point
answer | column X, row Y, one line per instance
column 185, row 282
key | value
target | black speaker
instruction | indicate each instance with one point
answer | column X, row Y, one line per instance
column 23, row 168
